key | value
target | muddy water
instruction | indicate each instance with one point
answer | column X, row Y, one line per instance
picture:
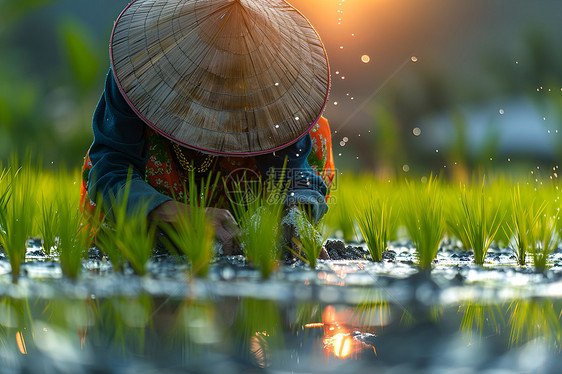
column 347, row 316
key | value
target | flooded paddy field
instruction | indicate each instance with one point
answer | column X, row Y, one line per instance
column 349, row 315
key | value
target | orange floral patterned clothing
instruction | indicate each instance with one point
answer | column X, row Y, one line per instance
column 165, row 173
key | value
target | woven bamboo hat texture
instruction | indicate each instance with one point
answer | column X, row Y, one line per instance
column 233, row 77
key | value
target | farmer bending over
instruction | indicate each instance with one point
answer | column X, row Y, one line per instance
column 209, row 86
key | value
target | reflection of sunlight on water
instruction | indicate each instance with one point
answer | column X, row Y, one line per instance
column 338, row 339
column 342, row 344
column 260, row 349
column 21, row 343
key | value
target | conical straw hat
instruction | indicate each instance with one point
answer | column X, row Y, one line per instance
column 241, row 77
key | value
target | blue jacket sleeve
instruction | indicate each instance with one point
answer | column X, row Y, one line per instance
column 120, row 144
column 305, row 188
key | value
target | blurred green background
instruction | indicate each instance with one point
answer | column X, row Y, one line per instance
column 450, row 86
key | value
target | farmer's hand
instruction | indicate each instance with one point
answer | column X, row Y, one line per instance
column 226, row 228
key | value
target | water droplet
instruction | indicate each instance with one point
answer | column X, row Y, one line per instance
column 424, row 179
column 417, row 131
column 345, row 139
column 508, row 159
column 516, row 62
column 335, row 103
column 406, row 168
column 436, row 151
column 276, row 83
column 337, row 73
column 341, row 46
column 414, row 59
column 365, row 59
column 339, row 154
column 502, row 111
column 342, row 77
column 342, row 143
column 297, row 118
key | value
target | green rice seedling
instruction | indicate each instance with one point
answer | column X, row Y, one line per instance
column 545, row 240
column 340, row 216
column 481, row 221
column 127, row 235
column 47, row 225
column 5, row 191
column 524, row 220
column 423, row 218
column 310, row 240
column 497, row 188
column 72, row 237
column 376, row 222
column 453, row 218
column 259, row 220
column 17, row 215
column 193, row 234
column 260, row 236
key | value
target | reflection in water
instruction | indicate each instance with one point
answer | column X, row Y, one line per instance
column 340, row 337
column 476, row 315
column 21, row 343
column 257, row 333
column 534, row 319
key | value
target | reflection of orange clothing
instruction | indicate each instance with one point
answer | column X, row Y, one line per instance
column 167, row 177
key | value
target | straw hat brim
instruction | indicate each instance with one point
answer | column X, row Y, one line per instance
column 231, row 77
